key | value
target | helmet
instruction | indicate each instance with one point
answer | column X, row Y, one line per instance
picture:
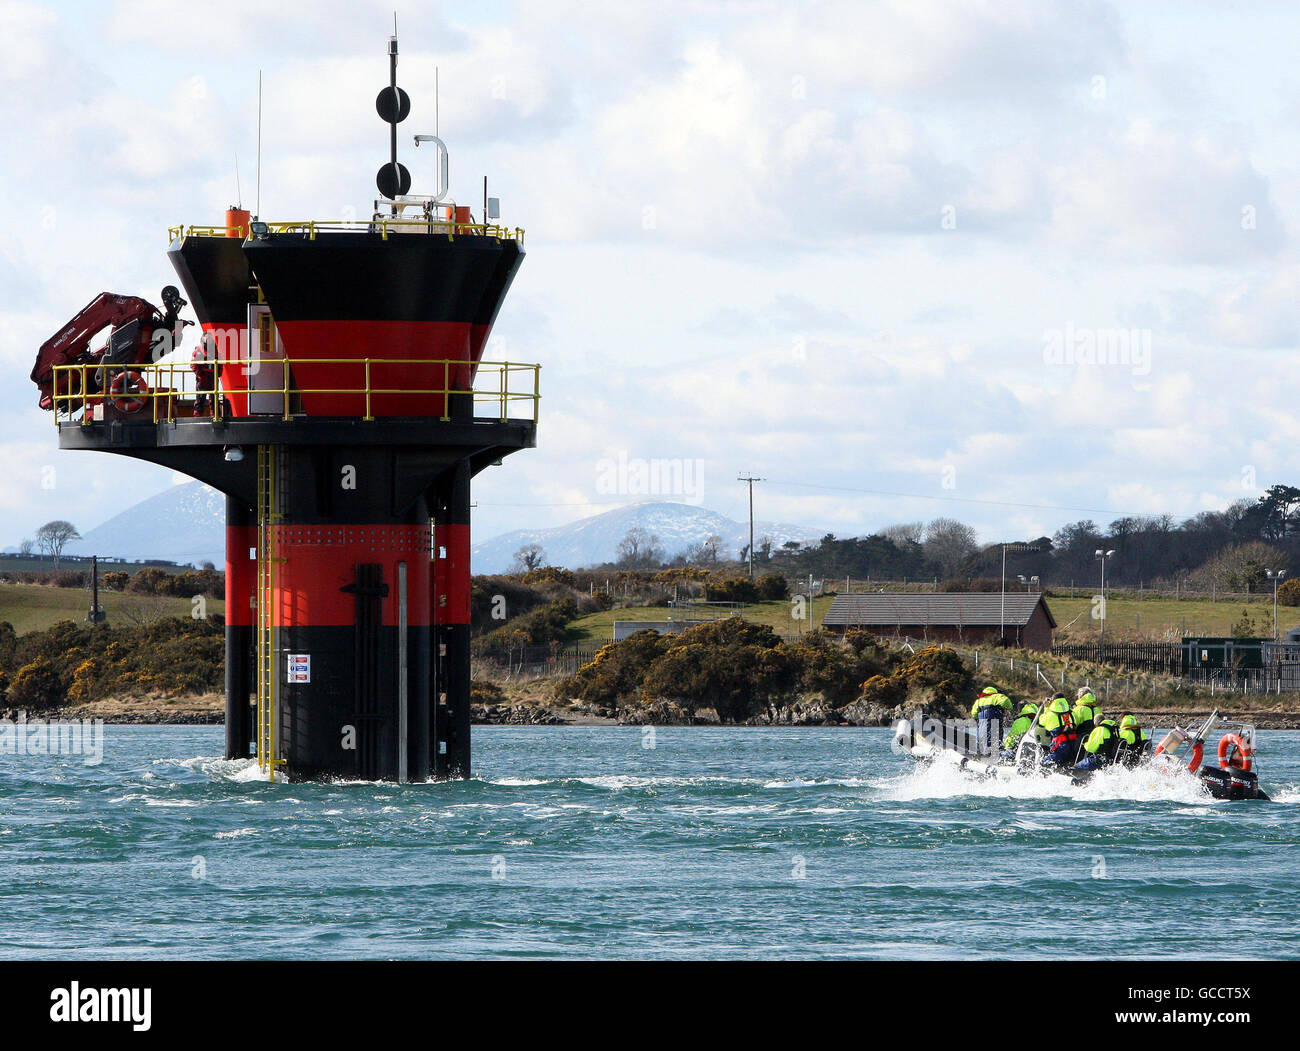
column 1127, row 721
column 1059, row 704
column 989, row 691
column 1030, row 708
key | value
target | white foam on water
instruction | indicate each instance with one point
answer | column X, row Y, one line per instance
column 621, row 781
column 944, row 779
column 238, row 770
column 237, row 833
column 147, row 800
column 815, row 782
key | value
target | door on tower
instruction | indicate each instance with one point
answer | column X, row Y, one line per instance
column 268, row 392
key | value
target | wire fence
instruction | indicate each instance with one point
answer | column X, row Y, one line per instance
column 1176, row 590
column 535, row 662
column 1277, row 677
column 1167, row 658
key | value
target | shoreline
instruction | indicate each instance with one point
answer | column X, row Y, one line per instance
column 209, row 710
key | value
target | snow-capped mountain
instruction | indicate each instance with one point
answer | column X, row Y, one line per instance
column 186, row 523
column 591, row 541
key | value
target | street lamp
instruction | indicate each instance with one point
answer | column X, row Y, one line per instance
column 1029, row 582
column 1275, row 576
column 1101, row 557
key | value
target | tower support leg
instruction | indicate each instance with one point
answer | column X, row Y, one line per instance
column 239, row 627
column 450, row 702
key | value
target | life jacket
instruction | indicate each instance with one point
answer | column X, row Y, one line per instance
column 1102, row 741
column 1057, row 719
column 991, row 700
column 1021, row 725
column 1133, row 743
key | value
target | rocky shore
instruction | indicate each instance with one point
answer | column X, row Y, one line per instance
column 209, row 709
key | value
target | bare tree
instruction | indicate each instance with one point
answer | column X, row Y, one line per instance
column 949, row 543
column 904, row 533
column 54, row 536
column 640, row 549
column 529, row 557
column 26, row 547
column 707, row 552
column 146, row 609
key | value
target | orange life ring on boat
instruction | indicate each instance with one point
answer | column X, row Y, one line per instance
column 1198, row 753
column 1230, row 743
column 128, row 391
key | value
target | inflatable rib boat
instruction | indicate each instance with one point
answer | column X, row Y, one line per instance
column 1233, row 777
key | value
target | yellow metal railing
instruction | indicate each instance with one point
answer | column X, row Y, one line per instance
column 312, row 227
column 166, row 391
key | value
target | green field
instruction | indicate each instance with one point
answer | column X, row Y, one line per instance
column 598, row 628
column 1128, row 618
column 33, row 607
column 1165, row 619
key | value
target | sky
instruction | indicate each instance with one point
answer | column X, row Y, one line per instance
column 1017, row 263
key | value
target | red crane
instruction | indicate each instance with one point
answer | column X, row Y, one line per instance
column 134, row 322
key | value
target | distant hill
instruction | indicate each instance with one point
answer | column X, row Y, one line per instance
column 591, row 541
column 187, row 523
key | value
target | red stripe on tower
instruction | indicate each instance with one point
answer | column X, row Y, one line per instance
column 317, row 562
column 451, row 572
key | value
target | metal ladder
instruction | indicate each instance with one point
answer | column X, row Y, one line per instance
column 268, row 663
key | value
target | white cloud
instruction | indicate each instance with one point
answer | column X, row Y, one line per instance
column 735, row 241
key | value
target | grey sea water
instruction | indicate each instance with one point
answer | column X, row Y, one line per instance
column 585, row 842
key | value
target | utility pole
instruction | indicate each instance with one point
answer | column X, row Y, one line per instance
column 96, row 614
column 1101, row 556
column 1002, row 627
column 1021, row 548
column 751, row 482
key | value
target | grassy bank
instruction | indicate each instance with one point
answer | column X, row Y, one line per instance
column 1128, row 617
column 598, row 628
column 1164, row 619
column 35, row 607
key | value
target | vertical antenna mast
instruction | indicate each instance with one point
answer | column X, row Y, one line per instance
column 392, row 86
column 259, row 144
column 393, row 106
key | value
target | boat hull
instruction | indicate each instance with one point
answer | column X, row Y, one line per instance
column 957, row 745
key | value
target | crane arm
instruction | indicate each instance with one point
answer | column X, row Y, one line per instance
column 72, row 342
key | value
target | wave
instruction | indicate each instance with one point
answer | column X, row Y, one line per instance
column 943, row 779
column 236, row 770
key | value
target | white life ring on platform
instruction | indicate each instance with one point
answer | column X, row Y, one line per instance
column 128, row 391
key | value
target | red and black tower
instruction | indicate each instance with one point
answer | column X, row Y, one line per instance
column 339, row 400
